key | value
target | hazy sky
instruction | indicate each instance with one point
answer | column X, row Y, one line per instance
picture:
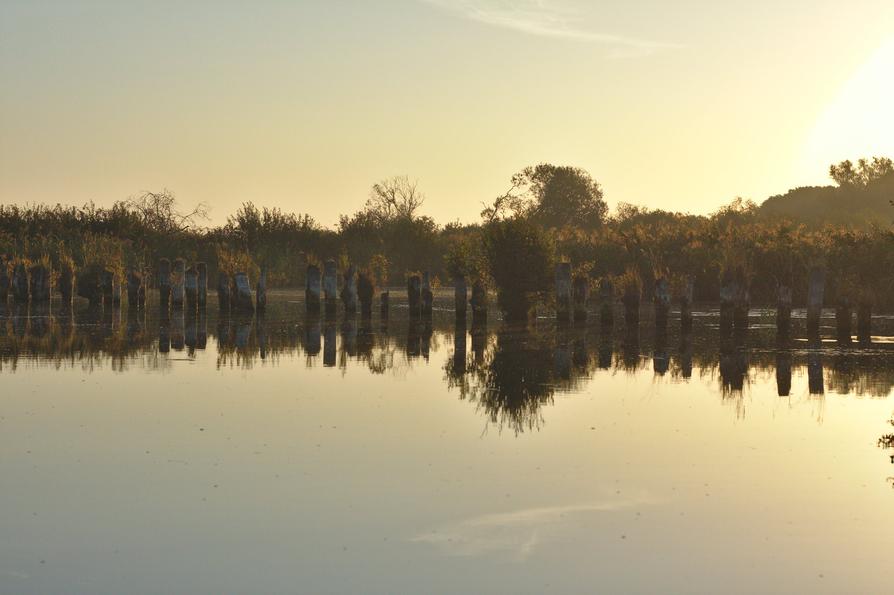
column 305, row 104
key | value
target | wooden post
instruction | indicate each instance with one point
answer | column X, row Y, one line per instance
column 261, row 291
column 427, row 296
column 366, row 289
column 66, row 283
column 728, row 293
column 312, row 289
column 607, row 302
column 741, row 305
column 864, row 321
column 581, row 291
column 783, row 311
column 479, row 302
column 330, row 286
column 815, row 296
column 631, row 299
column 178, row 280
column 661, row 300
column 460, row 296
column 88, row 287
column 164, row 284
column 134, row 289
column 687, row 292
column 563, row 291
column 385, row 306
column 191, row 289
column 202, row 297
column 4, row 280
column 40, row 281
column 241, row 299
column 349, row 290
column 107, row 288
column 843, row 320
column 414, row 295
column 223, row 292
column 20, row 284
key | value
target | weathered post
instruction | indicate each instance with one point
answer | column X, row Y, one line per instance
column 107, row 288
column 191, row 288
column 202, row 297
column 223, row 292
column 241, row 298
column 330, row 286
column 563, row 291
column 66, row 283
column 4, row 281
column 313, row 286
column 40, row 281
column 479, row 302
column 815, row 295
column 581, row 291
column 178, row 280
column 20, row 283
column 742, row 299
column 687, row 292
column 783, row 310
column 460, row 296
column 134, row 289
column 607, row 302
column 728, row 293
column 261, row 291
column 631, row 300
column 385, row 305
column 864, row 321
column 843, row 320
column 426, row 295
column 164, row 284
column 414, row 295
column 88, row 286
column 662, row 301
column 366, row 289
column 349, row 291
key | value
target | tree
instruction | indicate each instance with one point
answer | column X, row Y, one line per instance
column 394, row 198
column 552, row 196
column 865, row 173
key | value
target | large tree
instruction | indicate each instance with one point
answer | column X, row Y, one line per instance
column 552, row 196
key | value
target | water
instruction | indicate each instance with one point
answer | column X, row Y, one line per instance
column 209, row 456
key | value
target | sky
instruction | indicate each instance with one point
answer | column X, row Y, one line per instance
column 303, row 105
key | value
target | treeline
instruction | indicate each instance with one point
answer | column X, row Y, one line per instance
column 549, row 214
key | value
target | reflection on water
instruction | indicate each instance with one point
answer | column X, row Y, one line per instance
column 480, row 453
column 510, row 371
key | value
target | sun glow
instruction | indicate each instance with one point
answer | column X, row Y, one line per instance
column 860, row 120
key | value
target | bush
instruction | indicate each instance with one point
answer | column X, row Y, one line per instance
column 520, row 259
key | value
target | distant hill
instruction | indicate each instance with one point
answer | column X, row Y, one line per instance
column 856, row 206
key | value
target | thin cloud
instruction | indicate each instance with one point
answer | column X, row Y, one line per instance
column 545, row 19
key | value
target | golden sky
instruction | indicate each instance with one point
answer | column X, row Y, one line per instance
column 304, row 105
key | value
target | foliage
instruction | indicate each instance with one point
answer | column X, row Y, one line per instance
column 520, row 259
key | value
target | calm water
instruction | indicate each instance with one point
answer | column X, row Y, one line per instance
column 289, row 455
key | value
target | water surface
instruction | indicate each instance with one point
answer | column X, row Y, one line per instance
column 288, row 454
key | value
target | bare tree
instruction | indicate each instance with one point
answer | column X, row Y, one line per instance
column 158, row 210
column 395, row 198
